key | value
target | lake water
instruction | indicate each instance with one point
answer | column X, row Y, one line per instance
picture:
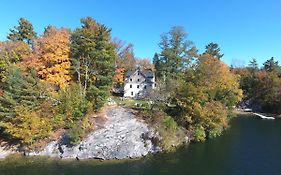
column 250, row 147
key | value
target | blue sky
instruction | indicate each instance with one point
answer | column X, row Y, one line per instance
column 244, row 29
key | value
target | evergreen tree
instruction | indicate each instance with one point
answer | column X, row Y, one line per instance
column 19, row 90
column 93, row 57
column 157, row 65
column 271, row 65
column 254, row 64
column 23, row 32
column 176, row 54
column 214, row 50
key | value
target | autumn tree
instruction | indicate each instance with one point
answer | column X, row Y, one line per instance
column 144, row 63
column 125, row 55
column 262, row 86
column 119, row 77
column 213, row 49
column 23, row 32
column 125, row 61
column 12, row 52
column 269, row 93
column 52, row 59
column 23, row 113
column 26, row 126
column 93, row 56
column 207, row 95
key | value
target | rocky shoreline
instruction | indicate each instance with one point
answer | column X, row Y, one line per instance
column 122, row 136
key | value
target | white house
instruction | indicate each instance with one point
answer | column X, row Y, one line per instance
column 138, row 83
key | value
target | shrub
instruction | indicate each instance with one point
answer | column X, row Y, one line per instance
column 199, row 134
column 97, row 97
column 73, row 104
column 75, row 134
column 170, row 124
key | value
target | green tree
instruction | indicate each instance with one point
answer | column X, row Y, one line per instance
column 93, row 57
column 73, row 109
column 214, row 50
column 254, row 64
column 20, row 89
column 271, row 65
column 23, row 32
column 176, row 54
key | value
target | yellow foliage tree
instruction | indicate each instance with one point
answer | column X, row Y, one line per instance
column 14, row 51
column 52, row 53
column 207, row 96
column 27, row 126
column 218, row 81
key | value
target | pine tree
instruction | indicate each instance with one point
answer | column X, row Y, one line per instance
column 271, row 65
column 254, row 64
column 19, row 90
column 93, row 57
column 23, row 32
column 214, row 50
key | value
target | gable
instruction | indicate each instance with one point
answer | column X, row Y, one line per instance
column 144, row 74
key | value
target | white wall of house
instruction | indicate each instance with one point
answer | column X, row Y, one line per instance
column 137, row 85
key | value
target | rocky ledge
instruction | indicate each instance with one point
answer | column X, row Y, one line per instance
column 122, row 136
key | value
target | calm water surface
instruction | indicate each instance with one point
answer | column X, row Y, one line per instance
column 250, row 147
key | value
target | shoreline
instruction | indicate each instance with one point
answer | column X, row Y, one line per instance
column 6, row 151
column 253, row 114
column 123, row 136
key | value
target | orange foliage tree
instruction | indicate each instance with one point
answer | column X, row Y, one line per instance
column 119, row 76
column 52, row 57
column 125, row 60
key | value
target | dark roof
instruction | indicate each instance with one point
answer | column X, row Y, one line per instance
column 145, row 73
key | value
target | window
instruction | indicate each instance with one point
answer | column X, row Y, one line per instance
column 138, row 73
column 131, row 79
column 131, row 86
column 132, row 93
column 138, row 86
column 138, row 79
column 144, row 86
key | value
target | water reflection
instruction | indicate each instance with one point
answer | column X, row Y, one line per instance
column 250, row 146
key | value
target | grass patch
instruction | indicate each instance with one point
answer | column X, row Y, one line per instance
column 132, row 103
